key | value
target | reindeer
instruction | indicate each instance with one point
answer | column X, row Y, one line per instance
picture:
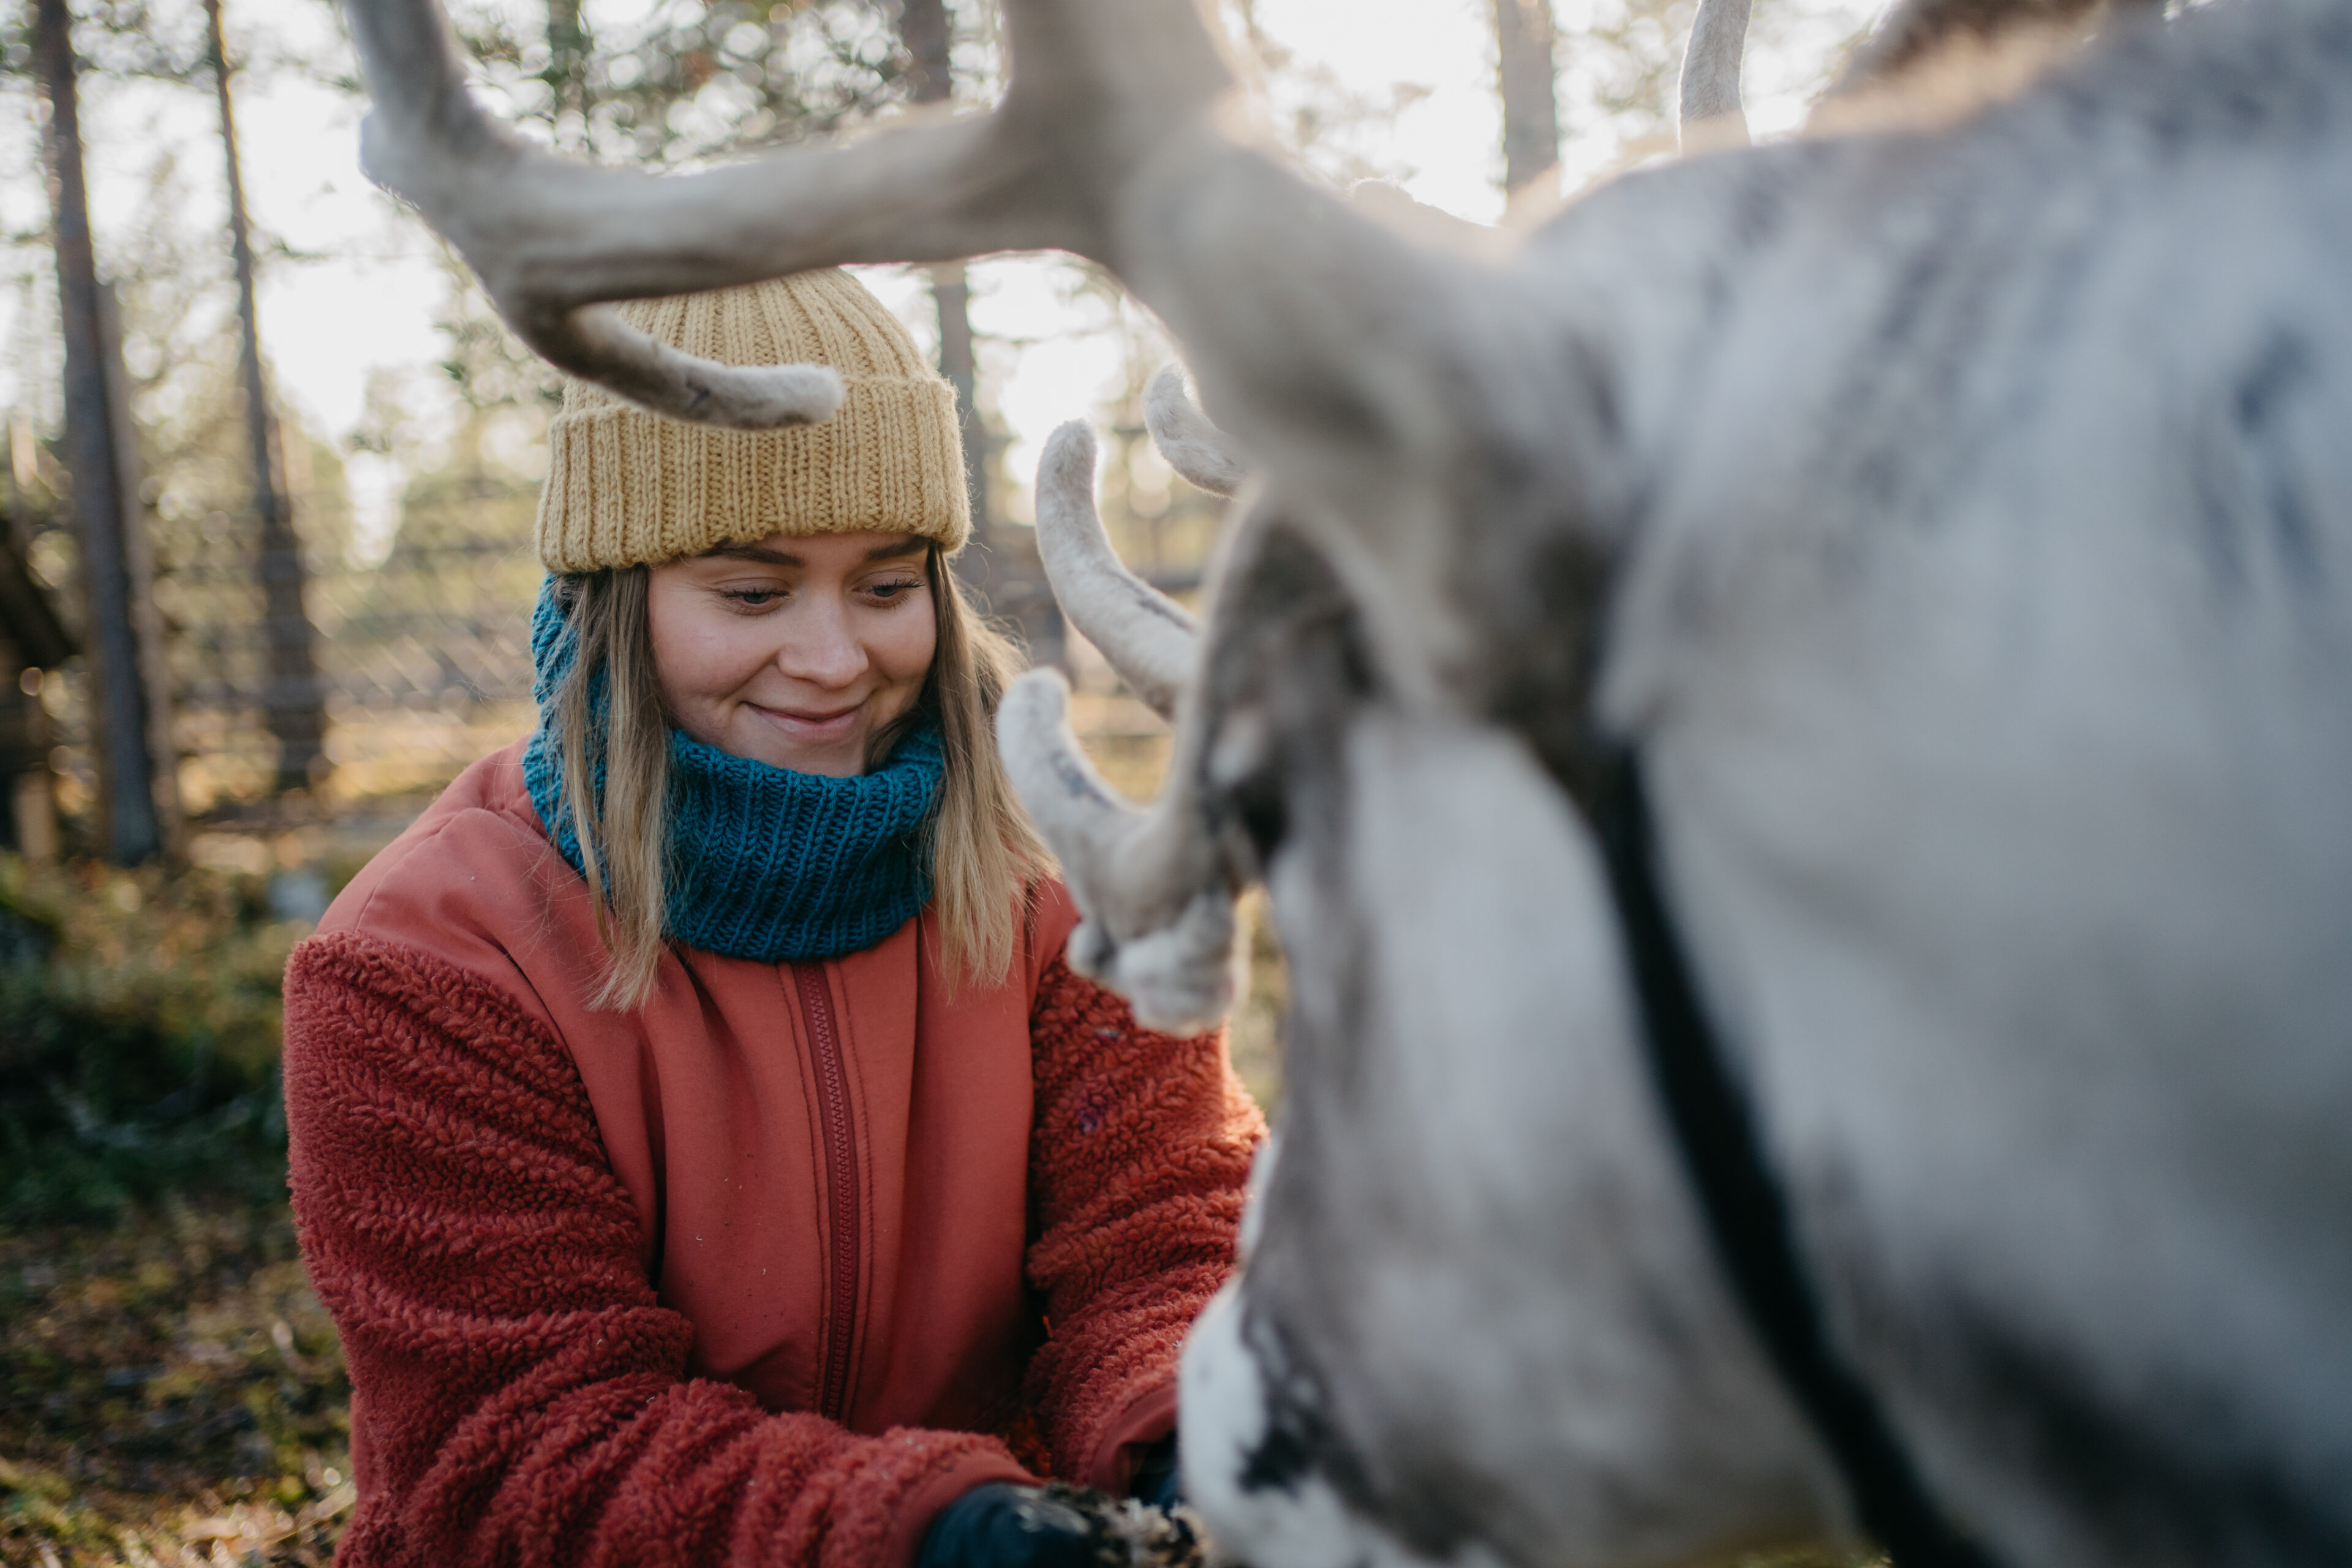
column 1797, row 731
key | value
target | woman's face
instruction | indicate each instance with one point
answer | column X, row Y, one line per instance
column 794, row 651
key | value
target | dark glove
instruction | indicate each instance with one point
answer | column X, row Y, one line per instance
column 1000, row 1525
column 1155, row 1481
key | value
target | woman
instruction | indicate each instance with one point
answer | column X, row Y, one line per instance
column 717, row 1161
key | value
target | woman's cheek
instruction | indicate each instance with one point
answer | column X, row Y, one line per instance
column 706, row 660
column 907, row 644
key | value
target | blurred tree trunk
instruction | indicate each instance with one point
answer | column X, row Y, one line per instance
column 1523, row 38
column 927, row 35
column 100, row 456
column 138, row 544
column 951, row 295
column 1011, row 582
column 567, row 65
column 292, row 701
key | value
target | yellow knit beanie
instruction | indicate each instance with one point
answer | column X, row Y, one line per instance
column 626, row 487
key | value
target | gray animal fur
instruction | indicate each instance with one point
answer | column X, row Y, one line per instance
column 1915, row 31
column 1959, row 524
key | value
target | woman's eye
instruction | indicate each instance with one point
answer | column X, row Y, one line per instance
column 891, row 592
column 753, row 599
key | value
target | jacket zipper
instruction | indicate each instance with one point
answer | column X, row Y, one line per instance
column 841, row 1168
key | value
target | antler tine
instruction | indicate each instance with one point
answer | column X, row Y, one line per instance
column 593, row 343
column 551, row 239
column 1082, row 817
column 1195, row 448
column 1710, row 84
column 1151, row 640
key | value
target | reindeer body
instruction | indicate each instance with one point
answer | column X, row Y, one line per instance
column 1983, row 623
column 1953, row 527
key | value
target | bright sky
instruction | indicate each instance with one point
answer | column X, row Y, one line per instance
column 365, row 305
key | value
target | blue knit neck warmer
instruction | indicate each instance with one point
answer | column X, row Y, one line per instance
column 764, row 863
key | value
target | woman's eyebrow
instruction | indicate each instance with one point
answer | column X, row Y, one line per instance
column 767, row 557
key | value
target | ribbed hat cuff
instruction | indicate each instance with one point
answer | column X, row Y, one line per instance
column 627, row 488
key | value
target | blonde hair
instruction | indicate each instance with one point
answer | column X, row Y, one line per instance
column 986, row 855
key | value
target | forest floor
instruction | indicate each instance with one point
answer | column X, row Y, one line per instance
column 171, row 1392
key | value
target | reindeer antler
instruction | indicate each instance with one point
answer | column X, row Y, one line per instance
column 552, row 240
column 1398, row 393
column 1710, row 84
column 1157, row 897
column 1363, row 366
column 1159, row 925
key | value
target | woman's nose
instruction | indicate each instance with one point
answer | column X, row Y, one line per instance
column 821, row 650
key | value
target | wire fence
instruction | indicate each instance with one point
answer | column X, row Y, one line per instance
column 424, row 661
column 424, row 658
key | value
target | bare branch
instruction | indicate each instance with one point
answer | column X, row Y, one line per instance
column 1152, row 641
column 1711, row 110
column 1195, row 448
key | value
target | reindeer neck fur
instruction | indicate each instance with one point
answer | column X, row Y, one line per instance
column 1993, row 696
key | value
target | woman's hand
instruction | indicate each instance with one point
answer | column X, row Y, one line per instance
column 1001, row 1525
column 1004, row 1526
column 1156, row 1481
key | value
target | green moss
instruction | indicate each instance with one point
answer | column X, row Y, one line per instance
column 138, row 1036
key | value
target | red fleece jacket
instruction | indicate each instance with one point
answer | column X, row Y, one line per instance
column 766, row 1273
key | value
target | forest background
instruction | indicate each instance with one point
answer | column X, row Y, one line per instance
column 170, row 1391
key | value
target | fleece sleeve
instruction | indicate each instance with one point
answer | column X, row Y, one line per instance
column 1138, row 1157
column 518, row 1395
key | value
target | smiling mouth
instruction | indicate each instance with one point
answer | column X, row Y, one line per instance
column 810, row 726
